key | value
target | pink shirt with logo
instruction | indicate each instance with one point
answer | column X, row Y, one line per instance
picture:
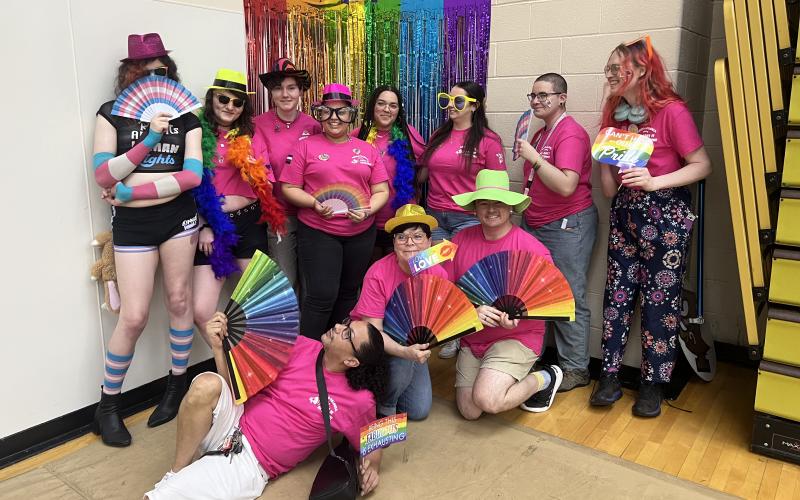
column 674, row 136
column 283, row 423
column 318, row 163
column 567, row 148
column 382, row 145
column 447, row 174
column 227, row 178
column 380, row 282
column 472, row 247
column 279, row 140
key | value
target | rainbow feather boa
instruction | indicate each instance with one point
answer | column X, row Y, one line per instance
column 400, row 150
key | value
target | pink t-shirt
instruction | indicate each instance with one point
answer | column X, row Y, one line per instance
column 472, row 247
column 382, row 145
column 382, row 279
column 279, row 140
column 283, row 423
column 317, row 164
column 567, row 148
column 447, row 175
column 674, row 136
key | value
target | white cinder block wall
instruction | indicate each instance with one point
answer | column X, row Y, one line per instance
column 575, row 38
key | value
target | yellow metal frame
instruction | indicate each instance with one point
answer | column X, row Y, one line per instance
column 784, row 279
column 773, row 395
column 741, row 242
column 782, row 342
column 781, row 23
column 791, row 163
column 788, row 232
column 771, row 49
column 762, row 90
column 794, row 101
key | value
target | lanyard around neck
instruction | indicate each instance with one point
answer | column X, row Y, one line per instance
column 529, row 183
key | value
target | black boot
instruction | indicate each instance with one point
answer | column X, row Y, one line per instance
column 170, row 402
column 107, row 422
column 607, row 391
column 648, row 402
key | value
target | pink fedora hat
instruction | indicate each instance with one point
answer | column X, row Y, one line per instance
column 337, row 92
column 145, row 46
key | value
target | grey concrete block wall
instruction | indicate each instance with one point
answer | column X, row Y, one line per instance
column 575, row 38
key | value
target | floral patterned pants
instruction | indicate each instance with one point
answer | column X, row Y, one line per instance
column 648, row 243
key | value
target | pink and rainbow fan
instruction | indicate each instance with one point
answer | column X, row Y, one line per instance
column 151, row 95
column 342, row 197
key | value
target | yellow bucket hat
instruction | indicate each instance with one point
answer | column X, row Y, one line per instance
column 409, row 214
column 228, row 79
column 493, row 185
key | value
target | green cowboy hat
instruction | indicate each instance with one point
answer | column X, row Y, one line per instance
column 493, row 185
column 228, row 79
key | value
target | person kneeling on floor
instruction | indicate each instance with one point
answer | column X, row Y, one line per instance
column 281, row 425
column 493, row 369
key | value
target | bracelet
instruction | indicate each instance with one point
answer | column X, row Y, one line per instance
column 536, row 167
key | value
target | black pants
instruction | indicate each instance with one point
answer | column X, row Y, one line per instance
column 331, row 269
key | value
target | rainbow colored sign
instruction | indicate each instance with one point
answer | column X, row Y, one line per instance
column 435, row 255
column 383, row 432
column 621, row 148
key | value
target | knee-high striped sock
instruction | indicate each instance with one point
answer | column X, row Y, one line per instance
column 116, row 368
column 180, row 346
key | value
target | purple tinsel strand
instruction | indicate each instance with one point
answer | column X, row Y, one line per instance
column 400, row 150
column 209, row 206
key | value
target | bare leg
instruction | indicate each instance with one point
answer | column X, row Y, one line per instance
column 135, row 278
column 195, row 417
column 177, row 257
column 496, row 392
column 206, row 289
column 466, row 405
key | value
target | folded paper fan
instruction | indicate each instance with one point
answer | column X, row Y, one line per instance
column 342, row 197
column 148, row 96
column 520, row 283
column 427, row 308
column 522, row 131
column 263, row 324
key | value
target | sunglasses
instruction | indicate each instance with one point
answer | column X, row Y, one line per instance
column 346, row 114
column 224, row 100
column 161, row 71
column 647, row 44
column 459, row 102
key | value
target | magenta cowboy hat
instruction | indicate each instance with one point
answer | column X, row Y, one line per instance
column 281, row 69
column 147, row 46
column 337, row 92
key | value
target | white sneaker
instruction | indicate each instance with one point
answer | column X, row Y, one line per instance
column 449, row 349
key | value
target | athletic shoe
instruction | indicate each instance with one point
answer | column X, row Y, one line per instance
column 648, row 402
column 607, row 391
column 543, row 400
column 449, row 349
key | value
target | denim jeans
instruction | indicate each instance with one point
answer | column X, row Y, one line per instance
column 409, row 389
column 450, row 223
column 570, row 244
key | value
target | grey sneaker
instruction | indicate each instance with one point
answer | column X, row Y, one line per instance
column 449, row 349
column 573, row 379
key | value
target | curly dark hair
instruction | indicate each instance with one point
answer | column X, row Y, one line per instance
column 130, row 71
column 372, row 373
column 245, row 121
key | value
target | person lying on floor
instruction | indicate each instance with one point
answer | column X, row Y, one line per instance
column 281, row 425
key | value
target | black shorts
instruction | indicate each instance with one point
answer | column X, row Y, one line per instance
column 252, row 235
column 152, row 226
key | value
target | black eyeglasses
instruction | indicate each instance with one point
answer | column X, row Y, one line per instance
column 403, row 238
column 542, row 96
column 348, row 333
column 224, row 100
column 346, row 114
column 160, row 71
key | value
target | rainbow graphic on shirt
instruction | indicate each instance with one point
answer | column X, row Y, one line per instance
column 621, row 148
column 435, row 255
column 381, row 433
column 342, row 197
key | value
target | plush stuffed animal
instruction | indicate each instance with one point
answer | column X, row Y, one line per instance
column 104, row 270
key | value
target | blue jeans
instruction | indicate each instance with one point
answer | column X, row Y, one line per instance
column 450, row 223
column 409, row 389
column 570, row 244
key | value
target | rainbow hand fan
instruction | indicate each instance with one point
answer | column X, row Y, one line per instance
column 148, row 96
column 426, row 308
column 341, row 198
column 522, row 284
column 263, row 323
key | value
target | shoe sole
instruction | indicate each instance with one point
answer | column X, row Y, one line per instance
column 556, row 383
column 645, row 415
column 617, row 397
column 115, row 444
column 567, row 389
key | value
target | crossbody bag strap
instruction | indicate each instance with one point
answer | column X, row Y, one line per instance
column 323, row 400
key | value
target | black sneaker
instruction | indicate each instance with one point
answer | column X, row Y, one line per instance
column 648, row 402
column 607, row 391
column 543, row 400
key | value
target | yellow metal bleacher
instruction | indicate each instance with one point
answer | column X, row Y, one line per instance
column 761, row 147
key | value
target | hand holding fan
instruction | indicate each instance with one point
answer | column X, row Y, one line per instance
column 520, row 283
column 621, row 148
column 263, row 323
column 151, row 95
column 342, row 197
column 522, row 131
column 428, row 309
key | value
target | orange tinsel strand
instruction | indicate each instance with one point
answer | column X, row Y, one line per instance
column 254, row 172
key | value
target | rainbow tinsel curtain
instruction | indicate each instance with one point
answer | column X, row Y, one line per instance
column 420, row 46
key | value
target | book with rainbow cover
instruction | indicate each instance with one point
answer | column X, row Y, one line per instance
column 381, row 433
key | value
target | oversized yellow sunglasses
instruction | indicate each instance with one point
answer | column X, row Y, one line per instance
column 459, row 102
